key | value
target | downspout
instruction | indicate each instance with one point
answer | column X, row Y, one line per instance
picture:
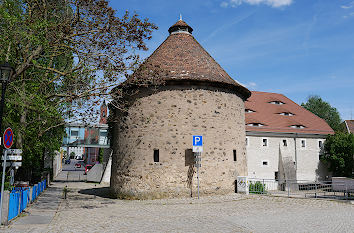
column 296, row 135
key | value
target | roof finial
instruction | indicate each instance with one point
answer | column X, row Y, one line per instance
column 180, row 17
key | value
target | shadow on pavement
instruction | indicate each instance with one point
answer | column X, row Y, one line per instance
column 69, row 180
column 104, row 192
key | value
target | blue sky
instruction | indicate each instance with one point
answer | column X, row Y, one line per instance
column 294, row 47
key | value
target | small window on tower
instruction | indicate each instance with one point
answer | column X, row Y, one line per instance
column 235, row 157
column 265, row 142
column 156, row 156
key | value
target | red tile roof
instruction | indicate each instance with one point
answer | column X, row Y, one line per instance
column 350, row 125
column 182, row 58
column 269, row 115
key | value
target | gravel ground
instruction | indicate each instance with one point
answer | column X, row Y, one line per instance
column 84, row 211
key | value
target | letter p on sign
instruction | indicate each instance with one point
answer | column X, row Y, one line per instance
column 197, row 140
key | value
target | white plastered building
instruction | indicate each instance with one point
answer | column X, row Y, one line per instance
column 283, row 140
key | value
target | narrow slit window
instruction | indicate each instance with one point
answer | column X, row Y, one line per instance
column 265, row 142
column 285, row 143
column 303, row 143
column 156, row 156
column 276, row 175
column 235, row 157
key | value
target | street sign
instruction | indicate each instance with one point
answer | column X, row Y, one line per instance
column 8, row 138
column 12, row 164
column 198, row 149
column 197, row 140
column 12, row 157
column 14, row 151
column 197, row 143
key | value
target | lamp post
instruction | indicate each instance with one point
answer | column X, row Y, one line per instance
column 5, row 74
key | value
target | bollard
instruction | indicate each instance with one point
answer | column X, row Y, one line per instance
column 65, row 191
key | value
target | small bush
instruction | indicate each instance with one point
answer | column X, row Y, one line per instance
column 257, row 187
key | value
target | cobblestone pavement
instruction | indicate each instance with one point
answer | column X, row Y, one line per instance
column 89, row 209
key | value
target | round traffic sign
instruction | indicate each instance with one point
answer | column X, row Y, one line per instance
column 8, row 138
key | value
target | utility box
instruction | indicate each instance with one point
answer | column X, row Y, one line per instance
column 242, row 185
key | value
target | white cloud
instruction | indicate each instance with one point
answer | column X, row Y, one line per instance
column 249, row 85
column 272, row 3
column 350, row 5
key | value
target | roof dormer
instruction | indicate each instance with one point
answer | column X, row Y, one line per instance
column 255, row 124
column 247, row 110
column 286, row 114
column 276, row 102
column 297, row 126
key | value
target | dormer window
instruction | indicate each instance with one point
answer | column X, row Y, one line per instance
column 286, row 114
column 277, row 102
column 255, row 124
column 249, row 110
column 297, row 126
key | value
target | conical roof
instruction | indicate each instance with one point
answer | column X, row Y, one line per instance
column 182, row 58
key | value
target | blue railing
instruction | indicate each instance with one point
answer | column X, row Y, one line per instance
column 14, row 205
column 20, row 198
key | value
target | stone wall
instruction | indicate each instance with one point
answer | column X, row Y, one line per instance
column 166, row 121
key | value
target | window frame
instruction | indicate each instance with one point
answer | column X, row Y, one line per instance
column 267, row 142
column 301, row 144
column 156, row 154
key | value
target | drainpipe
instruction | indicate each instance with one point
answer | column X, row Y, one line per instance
column 296, row 136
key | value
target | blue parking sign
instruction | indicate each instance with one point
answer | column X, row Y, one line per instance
column 197, row 140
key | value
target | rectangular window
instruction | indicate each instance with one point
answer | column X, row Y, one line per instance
column 265, row 142
column 74, row 133
column 235, row 158
column 285, row 143
column 320, row 144
column 303, row 143
column 156, row 156
column 265, row 163
column 276, row 175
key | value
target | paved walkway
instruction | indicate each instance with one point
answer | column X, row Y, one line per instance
column 40, row 214
column 89, row 208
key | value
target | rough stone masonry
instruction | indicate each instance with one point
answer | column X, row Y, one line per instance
column 152, row 137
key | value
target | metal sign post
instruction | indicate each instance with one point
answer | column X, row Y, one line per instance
column 197, row 149
column 3, row 184
column 8, row 140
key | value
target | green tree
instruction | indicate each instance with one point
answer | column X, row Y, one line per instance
column 324, row 110
column 67, row 54
column 339, row 154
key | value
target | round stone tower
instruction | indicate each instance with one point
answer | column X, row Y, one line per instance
column 152, row 137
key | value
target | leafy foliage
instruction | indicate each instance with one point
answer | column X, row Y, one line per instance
column 257, row 187
column 324, row 110
column 339, row 154
column 67, row 54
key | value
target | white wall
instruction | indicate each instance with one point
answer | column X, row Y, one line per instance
column 307, row 157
